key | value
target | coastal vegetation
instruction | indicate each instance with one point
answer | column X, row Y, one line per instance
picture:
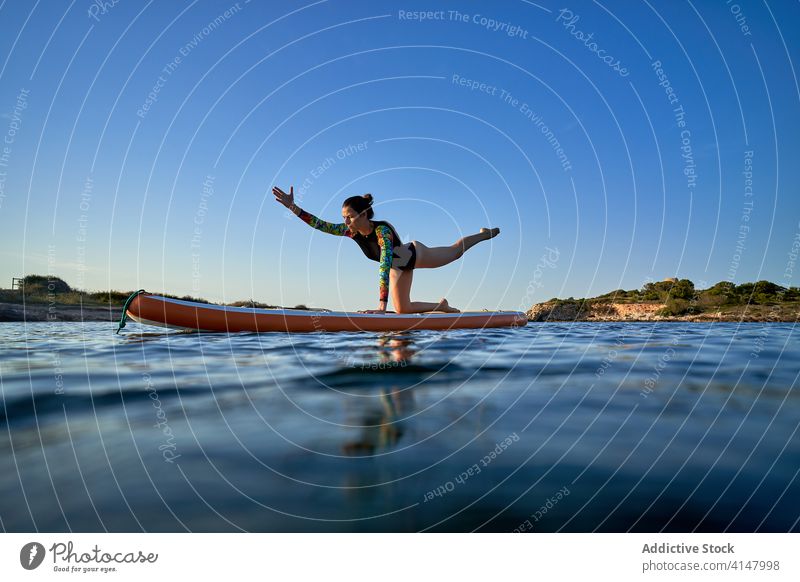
column 679, row 298
column 51, row 289
column 47, row 290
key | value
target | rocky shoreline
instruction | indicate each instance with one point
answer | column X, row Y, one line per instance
column 552, row 311
column 32, row 312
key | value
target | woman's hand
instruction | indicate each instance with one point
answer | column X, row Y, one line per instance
column 381, row 309
column 282, row 197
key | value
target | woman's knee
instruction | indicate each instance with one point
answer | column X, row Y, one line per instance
column 401, row 304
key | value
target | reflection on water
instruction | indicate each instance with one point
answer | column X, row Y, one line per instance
column 382, row 427
column 648, row 426
column 382, row 423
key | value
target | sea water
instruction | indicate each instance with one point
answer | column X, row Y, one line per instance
column 574, row 427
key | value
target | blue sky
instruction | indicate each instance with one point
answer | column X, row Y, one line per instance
column 609, row 141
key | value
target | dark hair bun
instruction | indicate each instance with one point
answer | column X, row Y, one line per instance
column 360, row 204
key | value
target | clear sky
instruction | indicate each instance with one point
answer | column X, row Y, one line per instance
column 613, row 143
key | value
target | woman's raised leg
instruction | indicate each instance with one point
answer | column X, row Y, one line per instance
column 432, row 257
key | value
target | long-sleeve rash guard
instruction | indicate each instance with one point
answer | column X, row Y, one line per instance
column 377, row 245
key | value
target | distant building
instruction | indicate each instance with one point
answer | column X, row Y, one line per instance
column 671, row 280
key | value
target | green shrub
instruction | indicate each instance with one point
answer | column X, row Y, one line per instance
column 42, row 285
column 683, row 289
column 664, row 290
column 676, row 307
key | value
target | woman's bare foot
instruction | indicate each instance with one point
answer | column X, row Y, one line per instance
column 490, row 232
column 445, row 306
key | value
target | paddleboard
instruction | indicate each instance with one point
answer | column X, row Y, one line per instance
column 161, row 311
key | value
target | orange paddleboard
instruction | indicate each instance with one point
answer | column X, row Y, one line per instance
column 176, row 313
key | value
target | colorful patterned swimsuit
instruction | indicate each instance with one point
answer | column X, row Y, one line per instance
column 382, row 244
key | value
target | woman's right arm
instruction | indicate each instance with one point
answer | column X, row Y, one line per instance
column 288, row 201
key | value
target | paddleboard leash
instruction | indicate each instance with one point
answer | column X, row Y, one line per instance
column 125, row 308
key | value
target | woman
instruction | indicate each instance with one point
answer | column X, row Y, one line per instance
column 380, row 242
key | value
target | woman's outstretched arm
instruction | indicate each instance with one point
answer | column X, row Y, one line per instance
column 288, row 201
column 384, row 236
